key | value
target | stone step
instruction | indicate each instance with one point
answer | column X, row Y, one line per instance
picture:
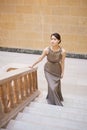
column 75, row 101
column 69, row 101
column 2, row 129
column 21, row 125
column 44, row 120
column 69, row 98
column 59, row 114
column 66, row 103
column 49, row 107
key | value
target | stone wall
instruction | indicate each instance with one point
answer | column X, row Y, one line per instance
column 28, row 24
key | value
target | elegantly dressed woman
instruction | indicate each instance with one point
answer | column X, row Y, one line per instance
column 54, row 69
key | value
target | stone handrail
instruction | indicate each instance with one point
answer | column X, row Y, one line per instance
column 17, row 89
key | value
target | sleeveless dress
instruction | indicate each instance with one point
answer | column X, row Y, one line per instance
column 52, row 70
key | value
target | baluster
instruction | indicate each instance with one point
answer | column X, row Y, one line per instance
column 23, row 84
column 26, row 85
column 10, row 87
column 29, row 83
column 1, row 106
column 17, row 91
column 22, row 88
column 33, row 77
column 4, row 97
column 36, row 79
column 19, row 86
column 15, row 98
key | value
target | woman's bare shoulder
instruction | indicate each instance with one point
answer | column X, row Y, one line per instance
column 63, row 51
column 46, row 50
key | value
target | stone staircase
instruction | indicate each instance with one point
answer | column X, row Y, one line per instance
column 39, row 115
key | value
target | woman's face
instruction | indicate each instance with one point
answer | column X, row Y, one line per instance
column 54, row 41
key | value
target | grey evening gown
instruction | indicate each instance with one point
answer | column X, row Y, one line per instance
column 52, row 70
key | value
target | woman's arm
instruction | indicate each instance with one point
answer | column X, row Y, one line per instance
column 44, row 53
column 63, row 62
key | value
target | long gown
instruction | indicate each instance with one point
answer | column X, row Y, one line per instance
column 52, row 70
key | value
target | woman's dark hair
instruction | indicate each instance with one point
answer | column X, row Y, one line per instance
column 57, row 36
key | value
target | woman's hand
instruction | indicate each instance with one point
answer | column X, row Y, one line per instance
column 31, row 67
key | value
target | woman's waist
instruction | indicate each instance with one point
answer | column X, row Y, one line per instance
column 53, row 65
column 53, row 62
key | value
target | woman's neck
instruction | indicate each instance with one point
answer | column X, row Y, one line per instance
column 55, row 48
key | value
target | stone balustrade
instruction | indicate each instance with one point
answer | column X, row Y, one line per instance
column 18, row 87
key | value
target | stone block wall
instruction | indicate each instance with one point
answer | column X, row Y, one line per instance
column 29, row 23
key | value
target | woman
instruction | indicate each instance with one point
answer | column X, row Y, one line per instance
column 53, row 69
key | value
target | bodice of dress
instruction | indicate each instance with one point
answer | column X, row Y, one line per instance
column 53, row 65
column 54, row 57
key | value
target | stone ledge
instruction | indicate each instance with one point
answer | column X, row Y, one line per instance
column 38, row 52
column 75, row 55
